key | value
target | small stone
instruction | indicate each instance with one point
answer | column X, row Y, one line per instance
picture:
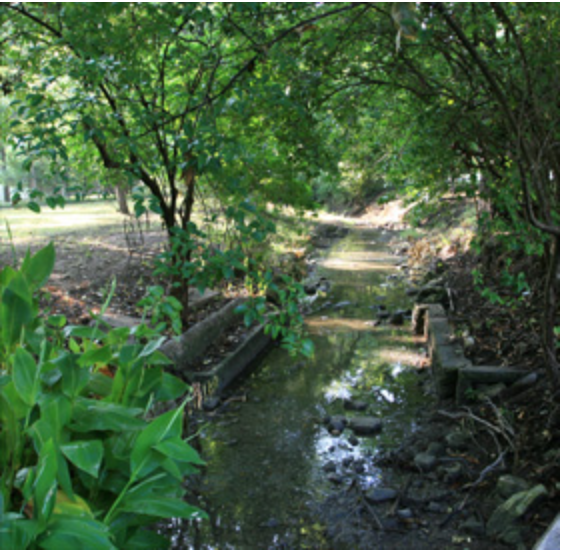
column 405, row 514
column 375, row 496
column 210, row 404
column 493, row 390
column 354, row 405
column 310, row 289
column 337, row 425
column 335, row 478
column 457, row 440
column 329, row 467
column 435, row 449
column 453, row 472
column 473, row 526
column 353, row 440
column 366, row 425
column 436, row 507
column 425, row 462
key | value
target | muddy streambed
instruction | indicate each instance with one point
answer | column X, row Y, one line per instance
column 274, row 467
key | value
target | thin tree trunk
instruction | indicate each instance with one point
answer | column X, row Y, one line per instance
column 122, row 197
column 4, row 169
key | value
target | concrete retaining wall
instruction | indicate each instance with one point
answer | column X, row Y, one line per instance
column 215, row 380
column 454, row 374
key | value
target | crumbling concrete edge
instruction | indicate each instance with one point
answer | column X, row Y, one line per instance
column 453, row 373
column 217, row 379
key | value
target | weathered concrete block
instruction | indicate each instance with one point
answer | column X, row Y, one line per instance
column 191, row 346
column 472, row 375
column 233, row 365
column 447, row 361
column 551, row 539
column 439, row 332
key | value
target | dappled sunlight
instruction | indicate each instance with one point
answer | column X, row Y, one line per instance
column 321, row 325
column 91, row 216
column 405, row 357
column 339, row 265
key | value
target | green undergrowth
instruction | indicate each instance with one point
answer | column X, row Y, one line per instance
column 84, row 462
column 446, row 223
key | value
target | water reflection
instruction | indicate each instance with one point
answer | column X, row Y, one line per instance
column 270, row 458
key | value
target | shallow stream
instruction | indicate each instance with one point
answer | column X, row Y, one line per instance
column 271, row 460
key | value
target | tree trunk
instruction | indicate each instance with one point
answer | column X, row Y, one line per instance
column 122, row 197
column 4, row 170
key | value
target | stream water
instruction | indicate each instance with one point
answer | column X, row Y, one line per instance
column 269, row 457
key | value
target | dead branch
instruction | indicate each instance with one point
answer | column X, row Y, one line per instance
column 485, row 472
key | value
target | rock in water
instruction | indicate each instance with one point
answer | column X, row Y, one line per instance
column 375, row 496
column 366, row 425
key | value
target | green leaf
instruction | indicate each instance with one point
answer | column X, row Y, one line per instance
column 45, row 487
column 92, row 415
column 16, row 309
column 163, row 507
column 307, row 348
column 26, row 376
column 57, row 321
column 38, row 268
column 99, row 384
column 118, row 336
column 11, row 404
column 90, row 333
column 17, row 534
column 171, row 387
column 96, row 356
column 74, row 533
column 34, row 207
column 75, row 378
column 74, row 505
column 168, row 425
column 86, row 455
column 147, row 540
column 180, row 450
column 158, row 358
column 151, row 347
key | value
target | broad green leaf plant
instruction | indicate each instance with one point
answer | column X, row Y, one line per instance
column 83, row 463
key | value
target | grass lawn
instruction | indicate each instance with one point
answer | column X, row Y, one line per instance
column 89, row 217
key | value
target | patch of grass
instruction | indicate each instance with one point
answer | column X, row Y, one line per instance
column 93, row 217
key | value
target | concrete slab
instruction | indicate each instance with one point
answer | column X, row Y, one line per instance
column 190, row 346
column 551, row 539
column 233, row 365
column 469, row 376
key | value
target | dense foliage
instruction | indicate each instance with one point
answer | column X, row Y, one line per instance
column 83, row 463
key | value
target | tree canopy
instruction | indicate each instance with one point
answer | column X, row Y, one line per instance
column 294, row 103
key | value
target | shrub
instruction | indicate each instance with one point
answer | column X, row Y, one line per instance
column 83, row 465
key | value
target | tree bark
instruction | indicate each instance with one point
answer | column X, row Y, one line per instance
column 122, row 197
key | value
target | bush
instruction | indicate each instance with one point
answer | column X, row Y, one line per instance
column 83, row 464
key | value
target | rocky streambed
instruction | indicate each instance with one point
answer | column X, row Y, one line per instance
column 350, row 450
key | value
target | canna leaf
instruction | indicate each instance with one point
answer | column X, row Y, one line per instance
column 26, row 376
column 86, row 455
